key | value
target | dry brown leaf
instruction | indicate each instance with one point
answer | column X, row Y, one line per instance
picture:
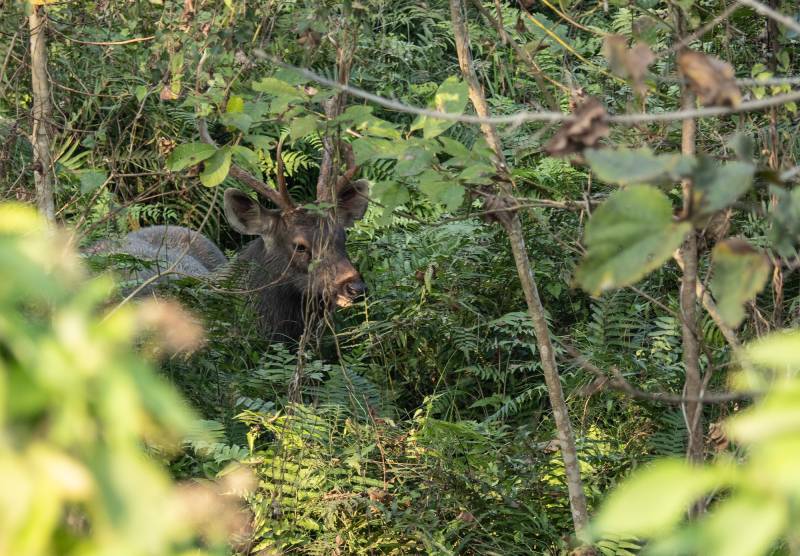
column 710, row 78
column 630, row 63
column 717, row 437
column 167, row 93
column 466, row 517
column 588, row 125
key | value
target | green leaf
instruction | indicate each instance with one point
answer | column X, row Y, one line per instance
column 745, row 525
column 261, row 142
column 238, row 120
column 91, row 180
column 245, row 154
column 777, row 351
column 235, row 104
column 653, row 500
column 439, row 190
column 637, row 166
column 189, row 154
column 716, row 187
column 454, row 148
column 216, row 168
column 740, row 272
column 140, row 92
column 451, row 97
column 300, row 127
column 628, row 236
column 390, row 194
column 413, row 161
column 278, row 88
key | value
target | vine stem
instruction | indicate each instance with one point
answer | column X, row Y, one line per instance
column 513, row 227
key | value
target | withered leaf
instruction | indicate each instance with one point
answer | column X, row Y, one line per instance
column 717, row 437
column 630, row 63
column 588, row 125
column 710, row 78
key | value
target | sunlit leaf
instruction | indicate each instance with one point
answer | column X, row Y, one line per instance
column 451, row 97
column 216, row 168
column 189, row 154
column 744, row 525
column 653, row 500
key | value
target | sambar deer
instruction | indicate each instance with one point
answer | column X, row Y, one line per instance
column 296, row 266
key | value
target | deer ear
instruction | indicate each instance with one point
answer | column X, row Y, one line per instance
column 352, row 201
column 246, row 215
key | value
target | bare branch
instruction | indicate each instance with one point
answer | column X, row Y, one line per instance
column 784, row 20
column 618, row 382
column 524, row 116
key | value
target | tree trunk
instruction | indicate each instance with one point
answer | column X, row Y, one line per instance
column 42, row 114
column 513, row 227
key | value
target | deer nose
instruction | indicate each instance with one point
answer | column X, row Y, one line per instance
column 356, row 288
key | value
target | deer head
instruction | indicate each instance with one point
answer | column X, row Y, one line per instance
column 305, row 245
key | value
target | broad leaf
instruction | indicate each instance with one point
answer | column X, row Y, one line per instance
column 390, row 194
column 216, row 168
column 91, row 180
column 451, row 97
column 261, row 142
column 189, row 154
column 245, row 154
column 717, row 186
column 300, row 127
column 777, row 351
column 235, row 104
column 413, row 161
column 745, row 525
column 278, row 88
column 238, row 120
column 439, row 190
column 654, row 500
column 628, row 236
column 637, row 166
column 740, row 272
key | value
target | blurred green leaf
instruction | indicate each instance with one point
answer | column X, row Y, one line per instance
column 653, row 500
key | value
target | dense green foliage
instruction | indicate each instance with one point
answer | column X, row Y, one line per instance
column 423, row 423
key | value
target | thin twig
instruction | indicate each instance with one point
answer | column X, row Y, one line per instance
column 618, row 382
column 784, row 20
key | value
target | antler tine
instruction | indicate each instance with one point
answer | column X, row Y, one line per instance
column 347, row 152
column 246, row 177
column 283, row 190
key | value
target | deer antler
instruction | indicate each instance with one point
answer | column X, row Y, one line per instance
column 280, row 198
column 283, row 191
column 349, row 158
